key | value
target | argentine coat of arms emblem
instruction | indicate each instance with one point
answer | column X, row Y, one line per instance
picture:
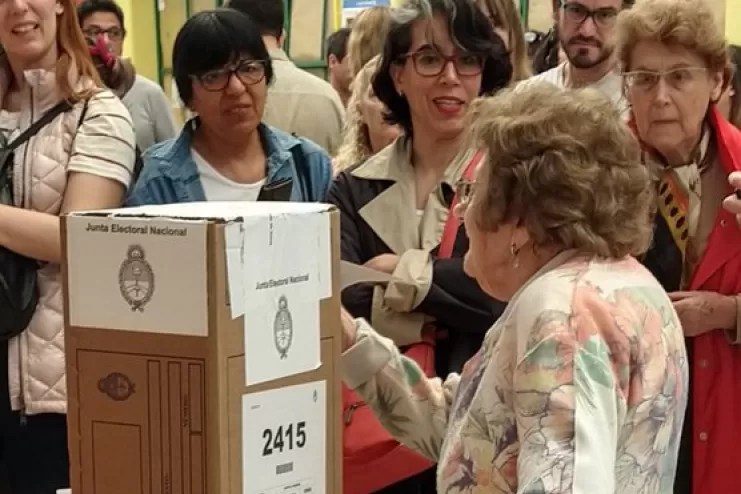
column 136, row 279
column 283, row 328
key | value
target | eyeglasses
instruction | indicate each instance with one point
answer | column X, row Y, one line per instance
column 113, row 33
column 248, row 72
column 431, row 63
column 678, row 79
column 576, row 13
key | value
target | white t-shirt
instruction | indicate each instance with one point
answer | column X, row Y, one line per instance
column 219, row 188
column 611, row 85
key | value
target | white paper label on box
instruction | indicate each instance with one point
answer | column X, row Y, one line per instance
column 281, row 292
column 234, row 244
column 324, row 237
column 284, row 440
column 137, row 274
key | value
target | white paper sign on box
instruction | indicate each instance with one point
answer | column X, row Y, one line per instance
column 234, row 245
column 284, row 447
column 282, row 293
column 137, row 274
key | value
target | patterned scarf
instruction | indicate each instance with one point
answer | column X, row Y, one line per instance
column 680, row 195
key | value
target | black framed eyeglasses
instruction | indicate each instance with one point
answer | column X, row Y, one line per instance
column 114, row 33
column 576, row 13
column 248, row 72
column 431, row 63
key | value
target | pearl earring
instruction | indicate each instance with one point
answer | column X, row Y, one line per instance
column 514, row 250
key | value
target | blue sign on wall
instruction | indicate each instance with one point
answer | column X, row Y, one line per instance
column 363, row 4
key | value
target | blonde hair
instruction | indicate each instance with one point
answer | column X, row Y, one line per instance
column 369, row 32
column 688, row 24
column 504, row 15
column 356, row 146
column 562, row 163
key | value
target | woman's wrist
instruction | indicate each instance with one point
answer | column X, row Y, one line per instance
column 729, row 313
column 349, row 329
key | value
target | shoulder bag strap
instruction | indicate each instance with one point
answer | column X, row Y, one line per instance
column 83, row 113
column 34, row 128
column 450, row 232
column 6, row 150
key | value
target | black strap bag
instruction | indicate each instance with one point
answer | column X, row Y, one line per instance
column 19, row 291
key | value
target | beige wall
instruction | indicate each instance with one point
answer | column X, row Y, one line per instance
column 540, row 15
column 306, row 28
column 733, row 21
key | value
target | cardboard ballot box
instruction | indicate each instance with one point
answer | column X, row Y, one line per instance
column 202, row 346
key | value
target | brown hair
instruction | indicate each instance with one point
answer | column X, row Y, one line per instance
column 504, row 15
column 74, row 55
column 689, row 24
column 369, row 32
column 562, row 163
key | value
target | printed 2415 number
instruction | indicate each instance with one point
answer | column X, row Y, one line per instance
column 284, row 438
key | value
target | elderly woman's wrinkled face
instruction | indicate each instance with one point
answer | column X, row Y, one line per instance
column 380, row 134
column 670, row 89
column 491, row 257
column 231, row 99
column 438, row 80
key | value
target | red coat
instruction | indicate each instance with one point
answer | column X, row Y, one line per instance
column 715, row 373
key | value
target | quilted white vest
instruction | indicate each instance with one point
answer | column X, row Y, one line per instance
column 36, row 357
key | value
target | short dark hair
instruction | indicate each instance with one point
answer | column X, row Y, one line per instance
column 90, row 7
column 469, row 29
column 337, row 43
column 269, row 15
column 211, row 39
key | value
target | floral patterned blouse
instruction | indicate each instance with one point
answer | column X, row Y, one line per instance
column 579, row 388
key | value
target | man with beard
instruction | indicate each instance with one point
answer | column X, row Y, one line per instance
column 585, row 30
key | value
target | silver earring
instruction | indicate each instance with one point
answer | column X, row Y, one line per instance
column 514, row 250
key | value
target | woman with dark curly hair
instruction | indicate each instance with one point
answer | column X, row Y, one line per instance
column 581, row 385
column 439, row 56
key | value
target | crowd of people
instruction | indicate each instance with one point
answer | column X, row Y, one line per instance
column 562, row 226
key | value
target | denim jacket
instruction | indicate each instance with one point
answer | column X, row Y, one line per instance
column 171, row 176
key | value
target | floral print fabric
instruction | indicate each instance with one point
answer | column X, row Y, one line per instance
column 580, row 387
